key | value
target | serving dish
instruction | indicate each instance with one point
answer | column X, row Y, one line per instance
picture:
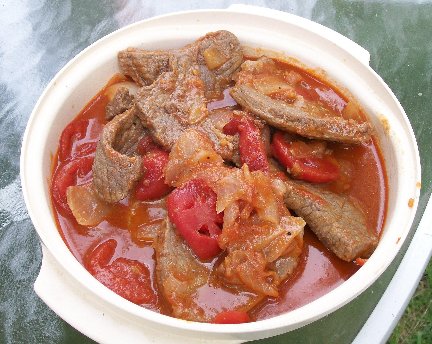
column 104, row 316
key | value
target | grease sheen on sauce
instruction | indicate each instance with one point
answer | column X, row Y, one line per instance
column 319, row 271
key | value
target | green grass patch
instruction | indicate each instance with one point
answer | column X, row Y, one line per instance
column 415, row 326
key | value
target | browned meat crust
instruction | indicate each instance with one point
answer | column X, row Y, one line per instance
column 116, row 169
column 122, row 101
column 143, row 66
column 336, row 220
column 214, row 58
column 299, row 119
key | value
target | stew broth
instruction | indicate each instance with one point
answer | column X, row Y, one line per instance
column 319, row 270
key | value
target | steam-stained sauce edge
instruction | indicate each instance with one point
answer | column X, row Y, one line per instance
column 266, row 308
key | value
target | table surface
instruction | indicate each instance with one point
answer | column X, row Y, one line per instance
column 37, row 38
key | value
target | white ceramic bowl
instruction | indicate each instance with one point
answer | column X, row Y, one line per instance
column 106, row 317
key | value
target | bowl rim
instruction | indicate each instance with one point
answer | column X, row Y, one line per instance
column 77, row 272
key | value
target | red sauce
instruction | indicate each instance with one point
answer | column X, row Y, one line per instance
column 319, row 270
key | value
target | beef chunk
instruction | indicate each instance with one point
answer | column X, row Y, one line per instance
column 116, row 168
column 336, row 220
column 143, row 66
column 300, row 117
column 188, row 285
column 163, row 113
column 177, row 94
column 212, row 58
column 219, row 55
column 122, row 101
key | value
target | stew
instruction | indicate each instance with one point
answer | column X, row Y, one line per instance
column 213, row 186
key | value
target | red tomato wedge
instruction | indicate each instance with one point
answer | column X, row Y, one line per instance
column 146, row 145
column 127, row 278
column 79, row 139
column 192, row 209
column 232, row 317
column 251, row 146
column 302, row 161
column 75, row 172
column 152, row 185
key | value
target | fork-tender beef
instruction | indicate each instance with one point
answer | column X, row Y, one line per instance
column 214, row 58
column 189, row 286
column 143, row 66
column 161, row 111
column 121, row 101
column 116, row 168
column 337, row 220
column 300, row 117
column 219, row 56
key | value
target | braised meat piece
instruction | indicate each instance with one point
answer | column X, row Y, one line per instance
column 143, row 66
column 189, row 286
column 213, row 59
column 299, row 118
column 121, row 101
column 336, row 220
column 160, row 114
column 177, row 94
column 270, row 93
column 219, row 55
column 116, row 168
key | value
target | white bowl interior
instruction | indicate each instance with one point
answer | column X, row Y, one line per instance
column 87, row 73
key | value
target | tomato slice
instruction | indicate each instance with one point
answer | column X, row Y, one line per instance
column 192, row 209
column 232, row 317
column 146, row 145
column 127, row 278
column 302, row 162
column 251, row 146
column 75, row 172
column 79, row 139
column 152, row 186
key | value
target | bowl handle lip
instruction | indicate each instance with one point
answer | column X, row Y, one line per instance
column 96, row 319
column 343, row 42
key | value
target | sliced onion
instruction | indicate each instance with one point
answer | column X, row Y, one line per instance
column 88, row 209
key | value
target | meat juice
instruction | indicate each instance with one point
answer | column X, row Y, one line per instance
column 319, row 270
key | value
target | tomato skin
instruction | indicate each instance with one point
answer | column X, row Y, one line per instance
column 146, row 145
column 251, row 146
column 152, row 185
column 127, row 278
column 310, row 167
column 192, row 209
column 79, row 139
column 100, row 256
column 231, row 317
column 75, row 172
